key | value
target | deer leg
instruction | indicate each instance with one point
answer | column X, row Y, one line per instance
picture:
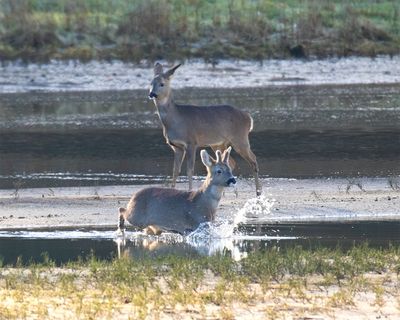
column 121, row 222
column 179, row 154
column 191, row 158
column 246, row 153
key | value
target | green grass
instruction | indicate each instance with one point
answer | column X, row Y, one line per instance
column 151, row 287
column 207, row 29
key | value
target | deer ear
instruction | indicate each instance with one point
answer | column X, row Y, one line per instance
column 225, row 156
column 158, row 68
column 218, row 155
column 205, row 158
column 171, row 71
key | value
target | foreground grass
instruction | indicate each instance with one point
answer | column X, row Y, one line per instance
column 209, row 29
column 266, row 285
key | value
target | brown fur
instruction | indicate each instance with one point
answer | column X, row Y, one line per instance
column 166, row 209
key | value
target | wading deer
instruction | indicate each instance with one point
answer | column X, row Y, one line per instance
column 188, row 127
column 164, row 209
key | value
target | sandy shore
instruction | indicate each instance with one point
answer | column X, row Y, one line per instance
column 292, row 201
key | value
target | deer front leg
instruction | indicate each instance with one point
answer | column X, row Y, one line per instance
column 179, row 154
column 191, row 158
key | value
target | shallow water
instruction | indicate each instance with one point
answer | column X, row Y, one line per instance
column 62, row 246
column 100, row 138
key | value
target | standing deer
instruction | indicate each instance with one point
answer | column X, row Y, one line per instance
column 164, row 209
column 188, row 127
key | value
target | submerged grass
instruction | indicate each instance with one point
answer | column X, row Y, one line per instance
column 205, row 286
column 208, row 29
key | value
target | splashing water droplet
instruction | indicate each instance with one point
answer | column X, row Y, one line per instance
column 219, row 236
column 254, row 208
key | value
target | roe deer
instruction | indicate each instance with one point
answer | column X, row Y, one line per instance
column 164, row 209
column 188, row 127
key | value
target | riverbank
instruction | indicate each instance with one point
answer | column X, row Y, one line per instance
column 41, row 30
column 285, row 201
column 293, row 283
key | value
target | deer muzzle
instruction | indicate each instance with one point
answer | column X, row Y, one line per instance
column 231, row 182
column 152, row 95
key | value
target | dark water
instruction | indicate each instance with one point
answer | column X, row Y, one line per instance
column 62, row 246
column 70, row 139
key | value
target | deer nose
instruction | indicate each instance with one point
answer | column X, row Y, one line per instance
column 152, row 95
column 231, row 181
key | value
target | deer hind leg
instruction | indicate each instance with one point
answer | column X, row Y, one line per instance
column 179, row 154
column 222, row 148
column 245, row 152
column 121, row 221
column 191, row 158
column 121, row 231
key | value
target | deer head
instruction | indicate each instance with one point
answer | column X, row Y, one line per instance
column 159, row 87
column 218, row 171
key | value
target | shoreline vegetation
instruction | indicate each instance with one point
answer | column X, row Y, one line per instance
column 354, row 283
column 40, row 30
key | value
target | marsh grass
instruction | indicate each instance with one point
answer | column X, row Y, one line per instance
column 152, row 287
column 172, row 29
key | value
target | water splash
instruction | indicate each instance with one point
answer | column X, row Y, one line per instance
column 165, row 237
column 221, row 231
column 222, row 235
column 254, row 208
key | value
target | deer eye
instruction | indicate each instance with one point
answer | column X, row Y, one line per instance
column 161, row 84
column 219, row 171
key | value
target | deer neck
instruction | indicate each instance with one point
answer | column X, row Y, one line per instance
column 210, row 194
column 165, row 106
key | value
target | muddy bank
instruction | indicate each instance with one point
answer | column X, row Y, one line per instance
column 286, row 200
column 99, row 76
